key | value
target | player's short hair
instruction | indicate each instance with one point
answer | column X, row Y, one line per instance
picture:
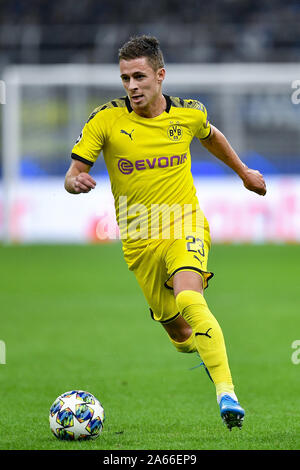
column 143, row 46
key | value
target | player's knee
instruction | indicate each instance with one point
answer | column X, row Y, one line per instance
column 178, row 330
column 181, row 335
column 187, row 346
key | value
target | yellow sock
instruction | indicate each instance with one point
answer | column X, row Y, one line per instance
column 187, row 346
column 209, row 338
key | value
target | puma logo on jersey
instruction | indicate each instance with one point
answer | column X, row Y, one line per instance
column 198, row 259
column 127, row 133
column 204, row 334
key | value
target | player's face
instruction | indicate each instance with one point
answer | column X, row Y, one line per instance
column 141, row 82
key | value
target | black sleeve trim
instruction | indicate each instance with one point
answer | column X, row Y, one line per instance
column 204, row 138
column 81, row 159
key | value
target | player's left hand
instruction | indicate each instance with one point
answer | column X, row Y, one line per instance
column 254, row 181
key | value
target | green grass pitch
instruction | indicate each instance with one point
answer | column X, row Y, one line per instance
column 73, row 317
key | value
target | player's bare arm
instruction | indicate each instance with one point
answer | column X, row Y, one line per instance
column 77, row 179
column 218, row 145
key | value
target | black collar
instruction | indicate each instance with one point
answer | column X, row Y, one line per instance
column 168, row 101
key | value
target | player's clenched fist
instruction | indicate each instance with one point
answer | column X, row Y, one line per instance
column 78, row 179
column 83, row 183
column 254, row 181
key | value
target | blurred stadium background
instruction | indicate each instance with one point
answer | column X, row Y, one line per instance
column 58, row 62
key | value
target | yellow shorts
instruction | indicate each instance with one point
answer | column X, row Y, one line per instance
column 155, row 263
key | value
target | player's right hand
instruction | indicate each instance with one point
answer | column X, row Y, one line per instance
column 254, row 181
column 83, row 183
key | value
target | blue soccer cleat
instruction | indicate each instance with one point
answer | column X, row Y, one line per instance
column 231, row 412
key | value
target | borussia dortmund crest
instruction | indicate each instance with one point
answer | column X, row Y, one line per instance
column 175, row 131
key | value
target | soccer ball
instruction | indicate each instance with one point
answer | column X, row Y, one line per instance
column 76, row 415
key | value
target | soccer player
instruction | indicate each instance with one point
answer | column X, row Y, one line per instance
column 145, row 139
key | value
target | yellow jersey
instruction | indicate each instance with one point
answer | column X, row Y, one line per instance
column 148, row 162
